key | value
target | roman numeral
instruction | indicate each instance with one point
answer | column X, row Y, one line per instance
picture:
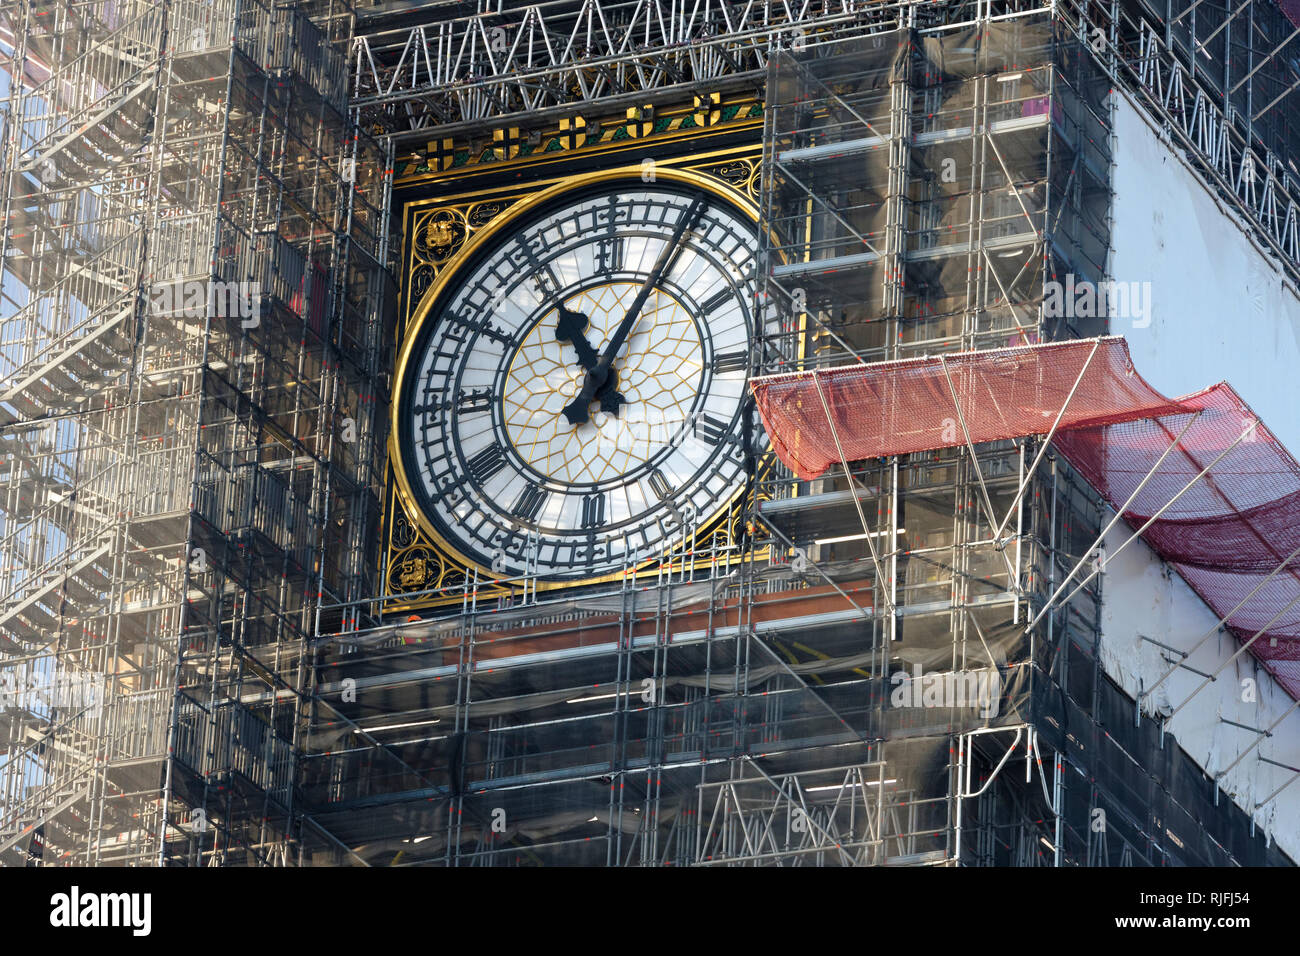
column 609, row 254
column 530, row 503
column 716, row 301
column 659, row 485
column 543, row 277
column 593, row 510
column 725, row 362
column 711, row 429
column 545, row 281
column 486, row 463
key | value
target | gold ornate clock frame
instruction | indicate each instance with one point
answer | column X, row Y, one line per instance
column 420, row 570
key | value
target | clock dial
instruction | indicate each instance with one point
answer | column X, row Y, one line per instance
column 570, row 399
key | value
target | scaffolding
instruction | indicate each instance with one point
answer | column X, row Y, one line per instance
column 195, row 662
column 194, row 293
column 1219, row 75
column 987, row 182
column 752, row 702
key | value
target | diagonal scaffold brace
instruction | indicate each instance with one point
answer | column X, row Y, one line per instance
column 857, row 503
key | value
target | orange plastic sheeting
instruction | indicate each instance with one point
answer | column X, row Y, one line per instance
column 896, row 408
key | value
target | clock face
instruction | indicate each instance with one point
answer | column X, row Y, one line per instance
column 571, row 402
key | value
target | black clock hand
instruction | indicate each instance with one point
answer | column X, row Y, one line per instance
column 661, row 266
column 572, row 327
column 597, row 378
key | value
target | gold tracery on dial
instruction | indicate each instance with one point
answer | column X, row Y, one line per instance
column 659, row 373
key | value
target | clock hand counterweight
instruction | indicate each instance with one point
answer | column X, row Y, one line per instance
column 598, row 379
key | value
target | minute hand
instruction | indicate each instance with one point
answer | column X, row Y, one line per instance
column 576, row 411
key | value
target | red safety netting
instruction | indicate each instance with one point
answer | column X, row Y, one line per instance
column 1291, row 9
column 1230, row 530
column 1225, row 534
column 896, row 408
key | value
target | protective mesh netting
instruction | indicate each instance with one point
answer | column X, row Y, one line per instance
column 1230, row 534
column 1226, row 535
column 896, row 408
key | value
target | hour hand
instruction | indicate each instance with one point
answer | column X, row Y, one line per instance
column 572, row 327
column 578, row 411
column 610, row 400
